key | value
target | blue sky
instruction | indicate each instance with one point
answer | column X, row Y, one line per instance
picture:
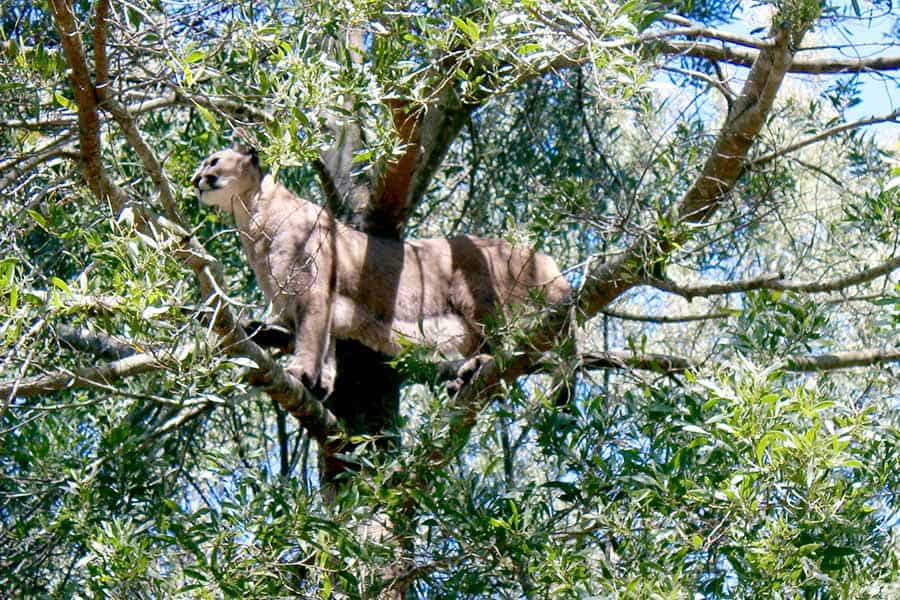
column 871, row 37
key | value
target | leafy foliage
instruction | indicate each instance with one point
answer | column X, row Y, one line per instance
column 736, row 479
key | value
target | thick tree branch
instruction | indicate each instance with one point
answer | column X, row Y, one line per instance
column 719, row 175
column 427, row 133
column 841, row 360
column 665, row 363
column 440, row 124
column 84, row 93
column 101, row 62
column 388, row 210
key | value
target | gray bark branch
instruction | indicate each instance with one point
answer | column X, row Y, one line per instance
column 776, row 281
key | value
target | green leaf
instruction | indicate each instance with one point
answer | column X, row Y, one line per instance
column 37, row 218
column 64, row 102
column 243, row 361
column 208, row 117
column 469, row 27
column 59, row 283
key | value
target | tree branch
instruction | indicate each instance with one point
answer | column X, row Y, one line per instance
column 801, row 363
column 745, row 57
column 151, row 164
column 776, row 281
column 100, row 376
column 85, row 95
column 841, row 360
column 892, row 116
column 438, row 127
column 101, row 63
column 98, row 344
column 662, row 319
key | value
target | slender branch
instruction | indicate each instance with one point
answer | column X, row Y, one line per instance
column 126, row 121
column 20, row 165
column 662, row 319
column 776, row 281
column 694, row 30
column 892, row 116
column 148, row 158
column 841, row 360
column 81, row 302
column 62, row 118
column 745, row 57
column 710, row 81
column 94, row 376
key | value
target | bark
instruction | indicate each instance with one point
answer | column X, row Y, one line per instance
column 84, row 93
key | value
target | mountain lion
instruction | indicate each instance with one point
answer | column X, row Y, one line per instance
column 325, row 279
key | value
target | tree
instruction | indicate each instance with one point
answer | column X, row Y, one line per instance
column 731, row 229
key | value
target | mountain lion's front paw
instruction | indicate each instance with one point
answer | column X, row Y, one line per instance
column 314, row 385
column 466, row 373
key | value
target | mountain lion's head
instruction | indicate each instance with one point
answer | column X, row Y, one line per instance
column 226, row 176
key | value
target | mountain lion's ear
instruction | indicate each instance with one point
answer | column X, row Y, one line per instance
column 242, row 148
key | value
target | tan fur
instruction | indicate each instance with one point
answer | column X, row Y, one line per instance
column 325, row 279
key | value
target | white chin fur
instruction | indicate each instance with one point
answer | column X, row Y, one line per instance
column 219, row 197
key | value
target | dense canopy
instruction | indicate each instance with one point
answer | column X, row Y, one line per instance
column 713, row 415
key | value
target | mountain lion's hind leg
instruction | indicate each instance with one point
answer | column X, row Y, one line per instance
column 312, row 345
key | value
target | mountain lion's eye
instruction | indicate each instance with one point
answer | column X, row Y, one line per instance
column 213, row 162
